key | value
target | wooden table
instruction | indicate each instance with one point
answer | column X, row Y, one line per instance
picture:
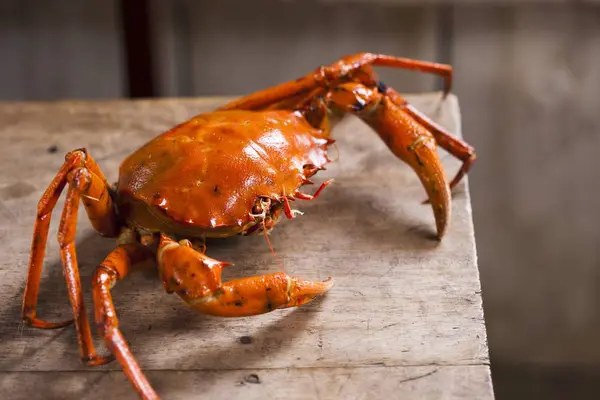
column 404, row 320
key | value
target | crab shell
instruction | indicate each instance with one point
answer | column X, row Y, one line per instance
column 204, row 177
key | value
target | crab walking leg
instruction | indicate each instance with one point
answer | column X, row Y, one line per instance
column 38, row 246
column 82, row 183
column 447, row 141
column 305, row 196
column 329, row 76
column 196, row 278
column 115, row 267
column 66, row 238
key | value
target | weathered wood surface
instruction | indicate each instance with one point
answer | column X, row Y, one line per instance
column 428, row 382
column 404, row 318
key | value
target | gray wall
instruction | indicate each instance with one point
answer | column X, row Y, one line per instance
column 60, row 49
column 527, row 76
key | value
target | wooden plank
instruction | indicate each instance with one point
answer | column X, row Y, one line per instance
column 430, row 382
column 527, row 79
column 230, row 47
column 60, row 49
column 401, row 299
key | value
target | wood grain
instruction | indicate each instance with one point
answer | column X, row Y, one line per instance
column 429, row 382
column 403, row 303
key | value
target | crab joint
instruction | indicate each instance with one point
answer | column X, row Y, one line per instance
column 289, row 212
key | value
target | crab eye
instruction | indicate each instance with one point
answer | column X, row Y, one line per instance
column 257, row 209
column 309, row 168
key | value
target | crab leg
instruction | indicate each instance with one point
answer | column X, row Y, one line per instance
column 81, row 173
column 116, row 266
column 196, row 278
column 329, row 76
column 305, row 196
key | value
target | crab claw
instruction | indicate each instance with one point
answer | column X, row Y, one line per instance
column 196, row 278
column 388, row 114
column 424, row 160
column 416, row 146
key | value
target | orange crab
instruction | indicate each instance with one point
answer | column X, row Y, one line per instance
column 229, row 172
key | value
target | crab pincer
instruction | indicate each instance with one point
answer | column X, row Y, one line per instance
column 196, row 278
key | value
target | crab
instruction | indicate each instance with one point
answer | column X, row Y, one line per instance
column 232, row 171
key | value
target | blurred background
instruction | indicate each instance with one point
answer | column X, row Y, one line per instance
column 527, row 75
